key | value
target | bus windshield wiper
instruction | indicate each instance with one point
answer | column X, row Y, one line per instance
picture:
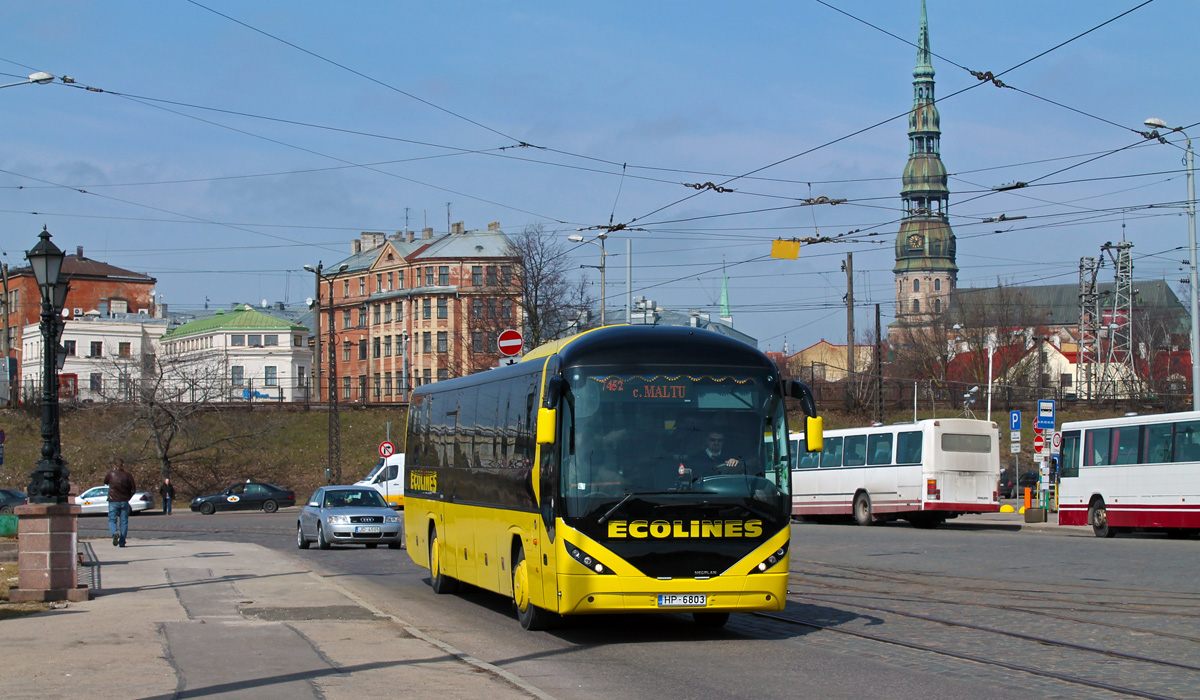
column 628, row 496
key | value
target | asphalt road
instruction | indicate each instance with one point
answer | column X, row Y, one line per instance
column 967, row 610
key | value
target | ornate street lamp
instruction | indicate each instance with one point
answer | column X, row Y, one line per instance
column 48, row 483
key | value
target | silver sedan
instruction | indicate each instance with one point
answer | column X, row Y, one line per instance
column 349, row 515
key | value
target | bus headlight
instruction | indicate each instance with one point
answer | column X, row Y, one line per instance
column 586, row 560
column 776, row 556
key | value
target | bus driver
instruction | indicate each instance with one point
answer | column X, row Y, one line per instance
column 714, row 459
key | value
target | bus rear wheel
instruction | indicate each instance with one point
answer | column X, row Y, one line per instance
column 862, row 509
column 440, row 582
column 529, row 615
column 1098, row 517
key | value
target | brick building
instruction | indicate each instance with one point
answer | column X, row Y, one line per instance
column 410, row 310
column 94, row 287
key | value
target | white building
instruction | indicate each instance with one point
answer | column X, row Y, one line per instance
column 105, row 356
column 243, row 354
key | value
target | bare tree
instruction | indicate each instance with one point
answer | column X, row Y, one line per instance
column 552, row 303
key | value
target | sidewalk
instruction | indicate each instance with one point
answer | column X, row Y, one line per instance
column 186, row 619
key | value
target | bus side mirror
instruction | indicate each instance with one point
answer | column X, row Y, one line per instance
column 814, row 438
column 800, row 391
column 553, row 393
column 547, row 424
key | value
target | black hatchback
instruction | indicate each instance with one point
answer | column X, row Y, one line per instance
column 11, row 498
column 251, row 495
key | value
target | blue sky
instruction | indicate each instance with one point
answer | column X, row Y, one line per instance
column 416, row 101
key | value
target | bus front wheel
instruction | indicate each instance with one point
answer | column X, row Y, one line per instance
column 440, row 582
column 529, row 615
column 1098, row 517
column 862, row 509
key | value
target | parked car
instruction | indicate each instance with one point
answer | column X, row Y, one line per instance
column 1027, row 480
column 349, row 515
column 11, row 498
column 1008, row 485
column 94, row 501
column 251, row 495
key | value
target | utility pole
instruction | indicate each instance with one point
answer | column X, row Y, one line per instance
column 878, row 370
column 333, row 468
column 848, row 267
column 4, row 346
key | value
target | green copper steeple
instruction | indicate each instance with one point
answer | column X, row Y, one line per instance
column 925, row 247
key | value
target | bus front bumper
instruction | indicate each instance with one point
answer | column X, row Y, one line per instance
column 587, row 593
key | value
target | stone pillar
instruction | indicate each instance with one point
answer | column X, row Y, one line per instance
column 47, row 542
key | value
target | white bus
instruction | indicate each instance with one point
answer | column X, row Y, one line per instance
column 1132, row 472
column 923, row 472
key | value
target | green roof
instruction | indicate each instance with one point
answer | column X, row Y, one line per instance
column 244, row 319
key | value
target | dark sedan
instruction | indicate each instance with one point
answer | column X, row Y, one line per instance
column 349, row 515
column 11, row 498
column 251, row 495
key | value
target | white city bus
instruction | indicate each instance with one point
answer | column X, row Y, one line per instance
column 923, row 472
column 1132, row 472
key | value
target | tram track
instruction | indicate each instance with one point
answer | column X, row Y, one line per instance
column 1044, row 673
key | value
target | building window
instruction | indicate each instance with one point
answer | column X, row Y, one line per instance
column 506, row 307
column 375, row 345
column 124, row 349
column 362, row 286
column 375, row 314
column 270, row 376
column 237, row 375
column 477, row 308
column 345, row 387
column 345, row 288
column 362, row 349
column 443, row 275
column 97, row 349
column 426, row 342
column 300, row 375
column 429, row 277
column 237, row 339
column 442, row 306
column 69, row 347
column 937, row 284
column 476, row 276
column 378, row 384
column 345, row 318
column 387, row 313
column 916, row 306
column 270, row 340
column 491, row 276
column 427, row 375
column 346, row 351
column 96, row 382
column 426, row 308
column 937, row 306
column 379, row 281
column 477, row 341
column 442, row 341
column 297, row 340
column 916, row 285
column 505, row 274
column 391, row 280
column 491, row 308
column 254, row 341
column 443, row 375
column 387, row 383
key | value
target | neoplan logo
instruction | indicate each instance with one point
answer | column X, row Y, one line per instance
column 680, row 529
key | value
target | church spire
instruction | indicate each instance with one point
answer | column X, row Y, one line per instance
column 925, row 247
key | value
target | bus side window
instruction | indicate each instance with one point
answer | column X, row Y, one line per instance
column 1097, row 447
column 855, row 451
column 831, row 455
column 1070, row 454
column 1187, row 441
column 1125, row 444
column 1158, row 443
column 880, row 449
column 908, row 447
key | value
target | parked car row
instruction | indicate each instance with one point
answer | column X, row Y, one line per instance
column 1009, row 489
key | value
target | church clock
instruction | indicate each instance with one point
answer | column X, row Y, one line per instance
column 915, row 240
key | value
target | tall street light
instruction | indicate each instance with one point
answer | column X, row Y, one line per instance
column 39, row 78
column 49, row 480
column 1155, row 123
column 576, row 238
column 333, row 466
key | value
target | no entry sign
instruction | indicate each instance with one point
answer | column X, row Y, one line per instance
column 510, row 342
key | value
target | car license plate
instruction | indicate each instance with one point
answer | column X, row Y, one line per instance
column 363, row 529
column 682, row 600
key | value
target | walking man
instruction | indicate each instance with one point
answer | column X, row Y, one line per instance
column 121, row 488
column 167, row 493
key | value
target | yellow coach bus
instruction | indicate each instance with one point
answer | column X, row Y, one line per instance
column 625, row 469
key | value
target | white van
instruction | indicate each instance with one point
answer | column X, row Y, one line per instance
column 388, row 479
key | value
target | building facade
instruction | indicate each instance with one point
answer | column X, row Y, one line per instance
column 404, row 310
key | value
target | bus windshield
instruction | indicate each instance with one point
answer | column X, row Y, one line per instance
column 678, row 433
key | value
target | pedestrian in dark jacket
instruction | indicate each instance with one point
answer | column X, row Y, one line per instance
column 121, row 488
column 167, row 492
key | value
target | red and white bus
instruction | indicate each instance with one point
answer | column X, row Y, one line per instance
column 1132, row 472
column 924, row 472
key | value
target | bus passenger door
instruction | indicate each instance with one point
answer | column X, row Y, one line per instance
column 547, row 539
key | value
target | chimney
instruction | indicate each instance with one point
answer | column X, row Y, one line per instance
column 427, row 234
column 457, row 228
column 410, row 236
column 355, row 247
column 79, row 252
column 494, row 226
column 372, row 240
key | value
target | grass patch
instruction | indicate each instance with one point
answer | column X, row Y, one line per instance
column 8, row 579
